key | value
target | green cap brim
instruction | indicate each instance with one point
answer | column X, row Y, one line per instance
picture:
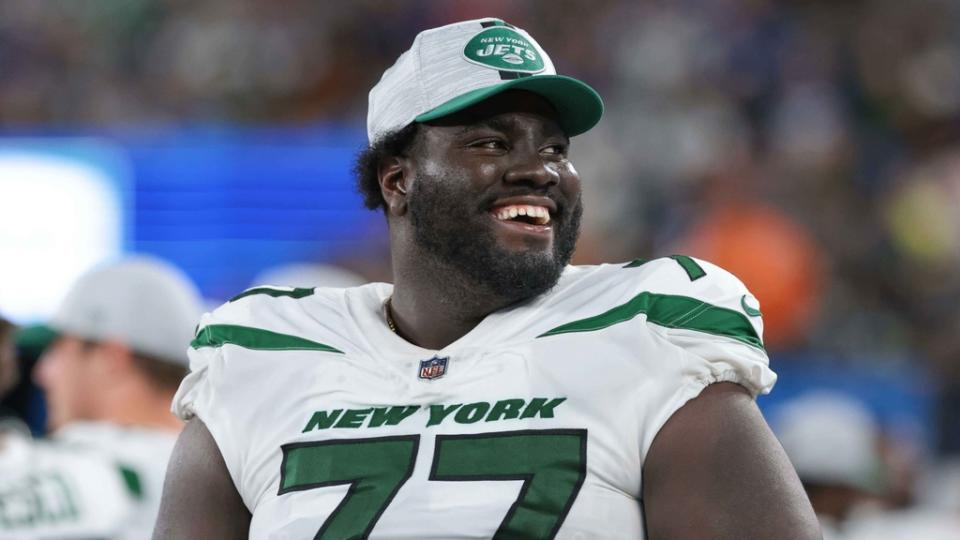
column 579, row 105
column 35, row 338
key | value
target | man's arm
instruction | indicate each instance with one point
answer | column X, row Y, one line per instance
column 199, row 498
column 715, row 470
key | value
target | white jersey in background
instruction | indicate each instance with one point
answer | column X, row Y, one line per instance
column 91, row 480
column 535, row 424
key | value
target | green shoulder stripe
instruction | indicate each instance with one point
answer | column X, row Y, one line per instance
column 691, row 267
column 635, row 263
column 270, row 291
column 694, row 271
column 216, row 335
column 672, row 312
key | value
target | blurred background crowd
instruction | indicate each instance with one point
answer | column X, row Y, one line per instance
column 812, row 147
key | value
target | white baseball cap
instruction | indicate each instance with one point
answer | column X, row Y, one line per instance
column 831, row 438
column 145, row 303
column 452, row 67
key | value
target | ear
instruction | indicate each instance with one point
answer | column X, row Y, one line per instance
column 395, row 174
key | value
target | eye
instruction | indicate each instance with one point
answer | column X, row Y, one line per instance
column 559, row 150
column 489, row 144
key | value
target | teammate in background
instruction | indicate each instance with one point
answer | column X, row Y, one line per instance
column 9, row 372
column 119, row 355
column 492, row 391
column 834, row 442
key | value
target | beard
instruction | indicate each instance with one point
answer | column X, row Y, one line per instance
column 452, row 231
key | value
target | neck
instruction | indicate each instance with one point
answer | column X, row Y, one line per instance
column 433, row 305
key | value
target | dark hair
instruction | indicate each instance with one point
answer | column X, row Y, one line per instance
column 162, row 373
column 7, row 329
column 395, row 143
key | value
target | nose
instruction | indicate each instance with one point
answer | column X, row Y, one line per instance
column 529, row 167
column 41, row 371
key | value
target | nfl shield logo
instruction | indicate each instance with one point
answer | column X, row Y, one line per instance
column 433, row 368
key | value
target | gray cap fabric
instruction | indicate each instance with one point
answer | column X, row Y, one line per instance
column 453, row 67
column 145, row 303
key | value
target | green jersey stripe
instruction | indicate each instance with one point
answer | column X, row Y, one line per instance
column 672, row 312
column 216, row 335
column 694, row 271
column 636, row 263
column 270, row 291
column 132, row 481
column 691, row 267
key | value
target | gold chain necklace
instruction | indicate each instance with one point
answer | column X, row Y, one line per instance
column 386, row 313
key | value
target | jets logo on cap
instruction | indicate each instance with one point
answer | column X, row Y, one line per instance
column 504, row 49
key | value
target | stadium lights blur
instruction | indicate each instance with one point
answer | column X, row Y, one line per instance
column 61, row 211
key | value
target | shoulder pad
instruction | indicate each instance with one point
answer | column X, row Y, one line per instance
column 291, row 292
column 267, row 318
column 677, row 292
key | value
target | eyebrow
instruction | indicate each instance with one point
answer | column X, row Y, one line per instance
column 496, row 124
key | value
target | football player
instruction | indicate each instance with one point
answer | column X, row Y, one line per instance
column 492, row 391
column 9, row 371
column 116, row 359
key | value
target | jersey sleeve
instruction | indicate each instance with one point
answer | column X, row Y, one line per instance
column 230, row 359
column 197, row 388
column 709, row 313
column 709, row 329
column 201, row 395
column 200, row 387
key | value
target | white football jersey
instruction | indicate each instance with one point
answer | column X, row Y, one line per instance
column 535, row 424
column 91, row 480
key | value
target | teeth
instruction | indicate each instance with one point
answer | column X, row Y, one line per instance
column 540, row 214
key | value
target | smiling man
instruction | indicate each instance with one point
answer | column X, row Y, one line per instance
column 492, row 391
